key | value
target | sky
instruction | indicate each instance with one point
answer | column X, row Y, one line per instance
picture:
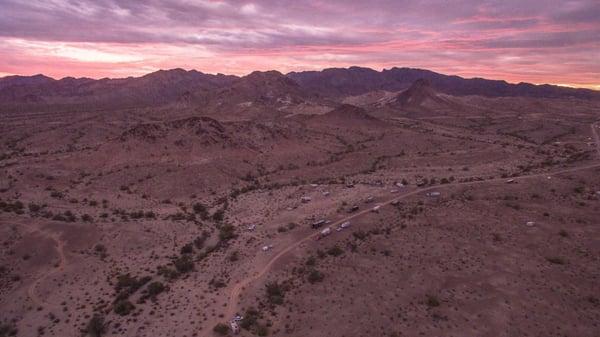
column 537, row 41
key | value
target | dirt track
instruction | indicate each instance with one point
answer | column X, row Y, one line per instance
column 239, row 287
column 31, row 293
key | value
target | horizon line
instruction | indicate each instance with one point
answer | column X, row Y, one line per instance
column 593, row 87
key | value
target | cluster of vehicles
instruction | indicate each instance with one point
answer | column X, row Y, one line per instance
column 326, row 231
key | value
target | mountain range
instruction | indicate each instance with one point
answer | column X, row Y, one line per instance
column 176, row 85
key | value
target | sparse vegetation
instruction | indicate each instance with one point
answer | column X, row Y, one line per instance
column 96, row 326
column 315, row 276
column 221, row 329
column 226, row 232
column 556, row 260
column 275, row 293
column 184, row 264
column 432, row 301
column 123, row 307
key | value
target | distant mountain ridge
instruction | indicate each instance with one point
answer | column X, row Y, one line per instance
column 358, row 80
column 176, row 85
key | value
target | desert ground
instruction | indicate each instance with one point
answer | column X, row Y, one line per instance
column 448, row 215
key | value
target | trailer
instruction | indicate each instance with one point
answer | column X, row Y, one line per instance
column 318, row 223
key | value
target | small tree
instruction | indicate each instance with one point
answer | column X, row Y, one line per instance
column 96, row 327
column 219, row 215
column 275, row 292
column 184, row 264
column 123, row 307
column 155, row 288
column 226, row 232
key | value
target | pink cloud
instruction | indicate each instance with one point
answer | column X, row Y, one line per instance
column 512, row 40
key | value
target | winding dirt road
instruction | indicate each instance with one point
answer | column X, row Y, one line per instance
column 242, row 284
column 31, row 290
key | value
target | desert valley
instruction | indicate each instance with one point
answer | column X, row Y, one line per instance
column 343, row 202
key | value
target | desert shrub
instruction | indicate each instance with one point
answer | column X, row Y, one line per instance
column 219, row 215
column 70, row 216
column 56, row 195
column 250, row 319
column 234, row 256
column 274, row 292
column 555, row 260
column 59, row 217
column 127, row 285
column 8, row 329
column 123, row 307
column 96, row 327
column 155, row 288
column 167, row 272
column 359, row 234
column 221, row 329
column 217, row 283
column 137, row 214
column 563, row 233
column 335, row 251
column 87, row 218
column 184, row 264
column 311, row 261
column 34, row 207
column 315, row 276
column 187, row 249
column 432, row 301
column 201, row 210
column 199, row 241
column 226, row 232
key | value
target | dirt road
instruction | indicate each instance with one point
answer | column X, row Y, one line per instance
column 31, row 290
column 239, row 287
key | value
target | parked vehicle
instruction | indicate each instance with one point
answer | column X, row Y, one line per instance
column 318, row 223
column 326, row 231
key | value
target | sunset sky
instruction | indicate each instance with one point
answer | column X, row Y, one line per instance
column 534, row 41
